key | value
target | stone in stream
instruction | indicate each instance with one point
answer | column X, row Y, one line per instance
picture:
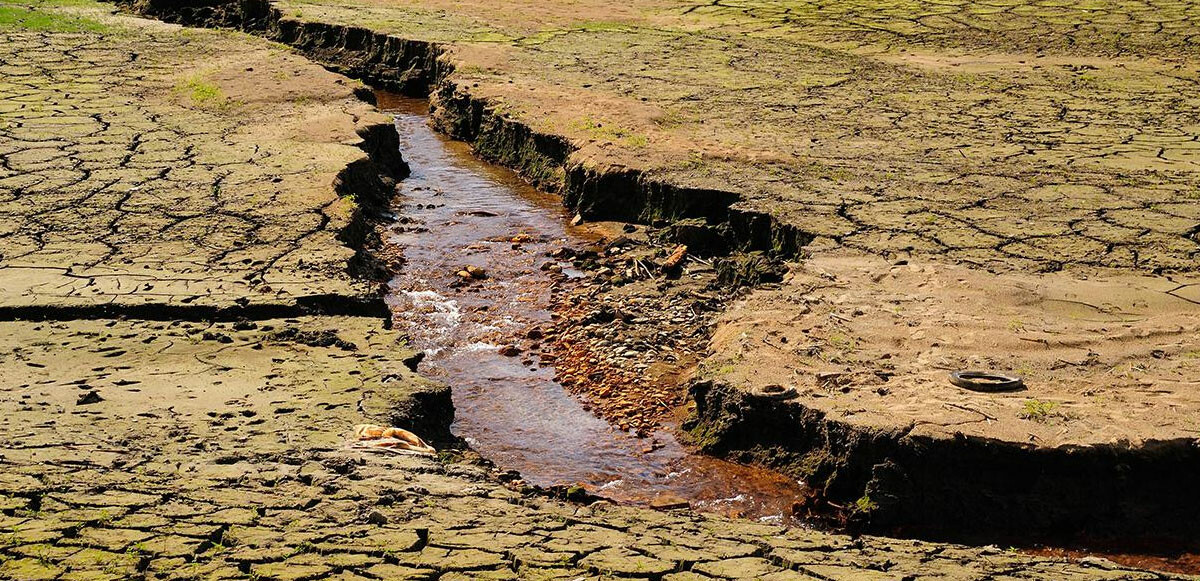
column 668, row 502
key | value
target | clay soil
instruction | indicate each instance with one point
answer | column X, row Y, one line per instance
column 194, row 321
column 1108, row 358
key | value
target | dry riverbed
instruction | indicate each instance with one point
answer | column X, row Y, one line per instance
column 193, row 324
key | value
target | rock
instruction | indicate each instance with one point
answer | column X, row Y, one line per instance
column 476, row 272
column 776, row 391
column 617, row 243
column 654, row 446
column 510, row 351
column 577, row 220
column 89, row 397
column 668, row 502
column 749, row 269
column 576, row 493
column 829, row 376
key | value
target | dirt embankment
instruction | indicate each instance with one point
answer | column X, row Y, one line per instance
column 850, row 392
column 740, row 245
column 183, row 450
column 173, row 186
column 425, row 69
column 898, row 477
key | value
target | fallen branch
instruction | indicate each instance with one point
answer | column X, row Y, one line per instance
column 974, row 411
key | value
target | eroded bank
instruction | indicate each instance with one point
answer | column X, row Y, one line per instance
column 421, row 68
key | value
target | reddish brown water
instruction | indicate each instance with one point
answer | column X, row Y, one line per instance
column 454, row 211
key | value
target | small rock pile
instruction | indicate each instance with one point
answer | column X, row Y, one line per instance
column 628, row 331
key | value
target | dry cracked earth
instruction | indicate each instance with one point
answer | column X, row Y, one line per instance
column 153, row 177
column 1036, row 156
column 1009, row 135
column 152, row 169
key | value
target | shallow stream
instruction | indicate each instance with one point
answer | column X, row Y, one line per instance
column 454, row 211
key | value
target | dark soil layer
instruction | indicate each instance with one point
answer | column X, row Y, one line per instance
column 889, row 481
column 967, row 488
column 419, row 68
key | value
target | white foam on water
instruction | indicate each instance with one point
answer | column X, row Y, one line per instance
column 731, row 499
column 443, row 308
column 613, row 484
column 479, row 346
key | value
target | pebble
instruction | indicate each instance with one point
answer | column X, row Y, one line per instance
column 668, row 502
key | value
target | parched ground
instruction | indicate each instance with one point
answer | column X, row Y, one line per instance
column 150, row 165
column 1013, row 135
column 1111, row 358
column 147, row 167
column 1003, row 184
column 219, row 453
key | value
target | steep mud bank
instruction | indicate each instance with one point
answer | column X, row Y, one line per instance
column 422, row 69
column 905, row 484
column 456, row 212
column 967, row 488
column 418, row 68
column 368, row 181
column 1099, row 441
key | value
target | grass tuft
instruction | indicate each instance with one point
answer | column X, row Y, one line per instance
column 1038, row 411
column 203, row 93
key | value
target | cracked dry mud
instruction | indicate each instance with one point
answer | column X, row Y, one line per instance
column 147, row 165
column 871, row 342
column 1011, row 135
column 150, row 167
column 1016, row 137
column 215, row 458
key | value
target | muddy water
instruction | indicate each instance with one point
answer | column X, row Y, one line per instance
column 455, row 211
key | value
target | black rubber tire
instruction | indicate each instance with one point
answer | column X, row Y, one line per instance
column 986, row 381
